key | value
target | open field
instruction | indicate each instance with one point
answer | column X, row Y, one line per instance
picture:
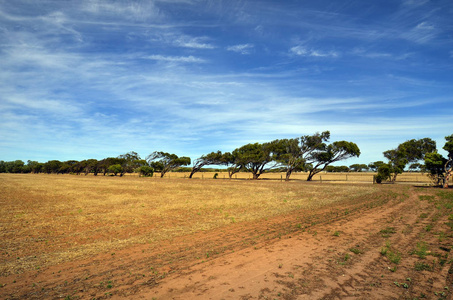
column 85, row 237
column 359, row 177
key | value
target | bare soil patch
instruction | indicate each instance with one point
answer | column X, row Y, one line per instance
column 330, row 242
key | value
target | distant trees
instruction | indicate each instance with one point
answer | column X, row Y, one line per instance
column 343, row 169
column 358, row 168
column 309, row 153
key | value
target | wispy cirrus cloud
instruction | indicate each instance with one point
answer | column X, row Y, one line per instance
column 303, row 51
column 94, row 72
column 241, row 48
column 192, row 42
column 185, row 59
column 422, row 33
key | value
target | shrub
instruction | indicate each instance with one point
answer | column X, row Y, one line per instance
column 115, row 169
column 146, row 171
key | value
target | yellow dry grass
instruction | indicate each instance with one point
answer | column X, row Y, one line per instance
column 365, row 177
column 48, row 219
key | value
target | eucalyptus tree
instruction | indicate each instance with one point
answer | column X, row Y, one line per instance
column 297, row 154
column 232, row 162
column 164, row 162
column 130, row 162
column 441, row 168
column 328, row 154
column 257, row 158
column 410, row 151
column 213, row 158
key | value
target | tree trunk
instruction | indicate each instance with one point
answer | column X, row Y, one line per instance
column 192, row 172
column 448, row 172
column 288, row 174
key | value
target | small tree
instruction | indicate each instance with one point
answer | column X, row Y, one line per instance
column 441, row 168
column 434, row 163
column 115, row 169
column 145, row 171
column 448, row 167
column 232, row 162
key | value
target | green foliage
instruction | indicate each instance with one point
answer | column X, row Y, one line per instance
column 115, row 169
column 434, row 164
column 213, row 158
column 358, row 168
column 440, row 168
column 384, row 173
column 255, row 158
column 421, row 266
column 325, row 155
column 164, row 162
column 409, row 151
column 146, row 171
column 421, row 250
column 374, row 166
column 338, row 169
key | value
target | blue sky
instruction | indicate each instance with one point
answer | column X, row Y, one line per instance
column 92, row 79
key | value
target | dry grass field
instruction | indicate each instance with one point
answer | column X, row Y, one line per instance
column 137, row 232
column 358, row 177
column 48, row 219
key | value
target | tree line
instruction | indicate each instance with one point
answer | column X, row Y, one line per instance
column 309, row 153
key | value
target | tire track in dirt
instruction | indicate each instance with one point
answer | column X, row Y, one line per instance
column 312, row 265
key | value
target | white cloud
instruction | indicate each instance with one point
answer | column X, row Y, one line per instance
column 187, row 59
column 242, row 48
column 303, row 51
column 423, row 33
column 129, row 10
column 192, row 42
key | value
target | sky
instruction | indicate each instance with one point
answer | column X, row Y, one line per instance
column 94, row 79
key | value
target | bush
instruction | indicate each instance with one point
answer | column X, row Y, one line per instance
column 146, row 171
column 115, row 169
column 378, row 178
column 384, row 173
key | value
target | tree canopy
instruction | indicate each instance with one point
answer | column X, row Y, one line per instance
column 439, row 167
column 409, row 151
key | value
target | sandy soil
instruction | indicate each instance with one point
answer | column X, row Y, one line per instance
column 327, row 258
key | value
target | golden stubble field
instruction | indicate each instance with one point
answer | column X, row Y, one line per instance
column 87, row 237
column 48, row 219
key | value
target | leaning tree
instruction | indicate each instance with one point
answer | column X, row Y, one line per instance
column 213, row 158
column 330, row 154
column 164, row 162
column 295, row 154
